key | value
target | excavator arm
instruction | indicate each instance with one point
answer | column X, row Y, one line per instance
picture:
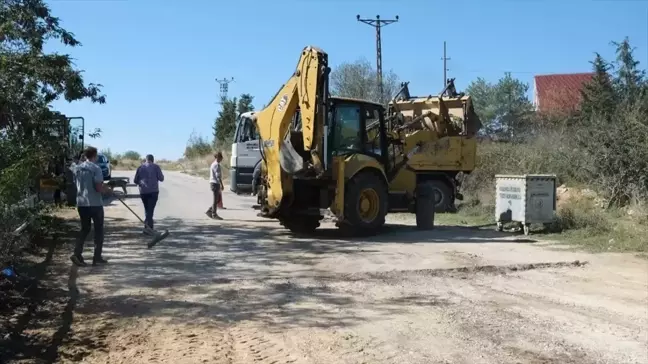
column 286, row 152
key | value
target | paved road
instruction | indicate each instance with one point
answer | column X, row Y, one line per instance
column 243, row 290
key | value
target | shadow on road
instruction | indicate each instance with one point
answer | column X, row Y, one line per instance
column 225, row 272
column 37, row 321
column 111, row 200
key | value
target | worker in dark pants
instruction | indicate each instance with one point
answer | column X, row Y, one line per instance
column 256, row 179
column 89, row 200
column 256, row 183
column 147, row 178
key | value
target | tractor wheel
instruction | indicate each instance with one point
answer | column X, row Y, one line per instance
column 425, row 205
column 443, row 196
column 365, row 204
column 301, row 224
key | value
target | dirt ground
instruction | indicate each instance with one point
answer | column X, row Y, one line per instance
column 245, row 291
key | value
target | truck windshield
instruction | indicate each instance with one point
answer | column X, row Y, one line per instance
column 246, row 130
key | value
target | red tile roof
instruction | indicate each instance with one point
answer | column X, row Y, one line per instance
column 560, row 92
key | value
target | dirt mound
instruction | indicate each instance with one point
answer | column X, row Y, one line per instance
column 569, row 195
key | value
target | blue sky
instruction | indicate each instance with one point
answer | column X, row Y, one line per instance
column 158, row 59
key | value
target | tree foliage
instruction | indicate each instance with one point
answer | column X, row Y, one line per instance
column 197, row 146
column 503, row 107
column 599, row 96
column 613, row 127
column 245, row 104
column 359, row 80
column 132, row 155
column 225, row 123
column 30, row 80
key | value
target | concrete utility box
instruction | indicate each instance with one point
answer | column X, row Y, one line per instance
column 527, row 199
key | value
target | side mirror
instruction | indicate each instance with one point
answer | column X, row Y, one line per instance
column 80, row 136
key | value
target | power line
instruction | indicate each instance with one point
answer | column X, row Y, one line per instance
column 377, row 24
column 224, row 88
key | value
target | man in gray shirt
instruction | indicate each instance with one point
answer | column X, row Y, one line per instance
column 90, row 189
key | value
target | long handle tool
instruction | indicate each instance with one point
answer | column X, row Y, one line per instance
column 157, row 236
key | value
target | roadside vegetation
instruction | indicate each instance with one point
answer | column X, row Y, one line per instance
column 31, row 80
column 30, row 127
column 599, row 154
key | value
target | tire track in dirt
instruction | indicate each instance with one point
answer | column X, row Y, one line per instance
column 162, row 341
column 252, row 346
column 460, row 272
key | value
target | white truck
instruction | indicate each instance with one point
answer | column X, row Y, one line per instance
column 245, row 153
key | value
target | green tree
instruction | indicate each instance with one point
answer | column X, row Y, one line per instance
column 30, row 80
column 131, row 154
column 613, row 128
column 359, row 80
column 598, row 95
column 630, row 80
column 225, row 123
column 245, row 104
column 503, row 107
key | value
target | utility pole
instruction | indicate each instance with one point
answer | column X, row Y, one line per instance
column 378, row 23
column 224, row 88
column 445, row 65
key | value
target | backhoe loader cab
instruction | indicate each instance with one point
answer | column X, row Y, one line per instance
column 356, row 127
column 354, row 183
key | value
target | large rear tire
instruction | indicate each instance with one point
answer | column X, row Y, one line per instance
column 443, row 196
column 425, row 205
column 365, row 204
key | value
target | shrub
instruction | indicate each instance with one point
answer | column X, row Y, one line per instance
column 132, row 155
column 197, row 146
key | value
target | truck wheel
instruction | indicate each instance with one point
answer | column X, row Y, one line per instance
column 425, row 205
column 365, row 204
column 301, row 224
column 443, row 196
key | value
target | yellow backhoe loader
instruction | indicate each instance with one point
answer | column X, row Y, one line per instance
column 352, row 156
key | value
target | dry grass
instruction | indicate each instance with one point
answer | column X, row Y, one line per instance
column 195, row 166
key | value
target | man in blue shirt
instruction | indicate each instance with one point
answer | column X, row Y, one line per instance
column 89, row 200
column 147, row 177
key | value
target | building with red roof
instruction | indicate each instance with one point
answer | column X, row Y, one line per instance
column 559, row 93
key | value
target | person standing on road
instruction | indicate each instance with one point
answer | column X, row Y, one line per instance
column 90, row 189
column 147, row 178
column 256, row 178
column 216, row 185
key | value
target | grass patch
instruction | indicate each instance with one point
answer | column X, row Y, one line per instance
column 579, row 222
column 468, row 215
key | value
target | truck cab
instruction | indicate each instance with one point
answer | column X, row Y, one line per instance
column 245, row 153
